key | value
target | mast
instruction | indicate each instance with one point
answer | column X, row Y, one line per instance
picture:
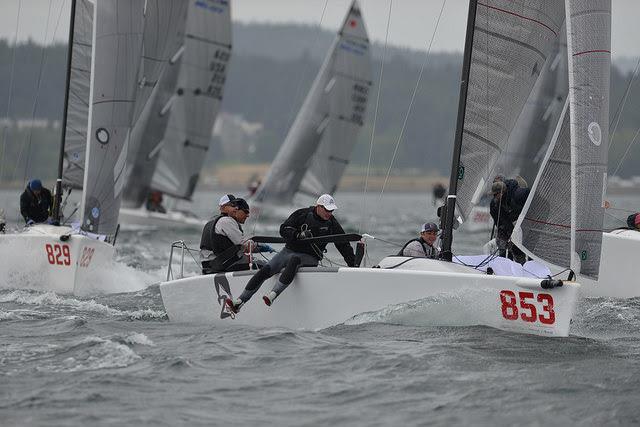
column 58, row 191
column 456, row 171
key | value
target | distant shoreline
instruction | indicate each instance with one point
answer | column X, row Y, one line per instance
column 237, row 177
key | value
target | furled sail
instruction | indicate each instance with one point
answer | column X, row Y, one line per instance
column 117, row 43
column 562, row 222
column 162, row 40
column 75, row 144
column 318, row 146
column 200, row 87
column 511, row 43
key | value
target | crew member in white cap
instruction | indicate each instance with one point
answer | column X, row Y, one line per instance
column 225, row 205
column 314, row 221
column 423, row 246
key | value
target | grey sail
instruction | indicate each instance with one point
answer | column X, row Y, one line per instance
column 200, row 87
column 162, row 40
column 562, row 222
column 543, row 230
column 75, row 144
column 535, row 127
column 511, row 43
column 589, row 46
column 117, row 43
column 318, row 146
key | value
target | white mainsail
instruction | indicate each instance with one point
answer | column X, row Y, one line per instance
column 511, row 43
column 562, row 221
column 163, row 38
column 200, row 86
column 117, row 43
column 318, row 146
column 535, row 127
column 75, row 144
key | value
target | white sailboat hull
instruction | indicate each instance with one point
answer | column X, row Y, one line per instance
column 320, row 298
column 38, row 259
column 618, row 275
column 173, row 219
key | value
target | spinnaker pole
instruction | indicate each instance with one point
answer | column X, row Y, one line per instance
column 58, row 191
column 457, row 172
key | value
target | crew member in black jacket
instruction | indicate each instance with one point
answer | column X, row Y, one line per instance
column 314, row 221
column 35, row 203
column 508, row 201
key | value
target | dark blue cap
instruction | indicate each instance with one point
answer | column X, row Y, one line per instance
column 35, row 185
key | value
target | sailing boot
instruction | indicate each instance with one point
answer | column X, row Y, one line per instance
column 269, row 298
column 234, row 305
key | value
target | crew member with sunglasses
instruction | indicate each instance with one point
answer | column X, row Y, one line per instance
column 223, row 244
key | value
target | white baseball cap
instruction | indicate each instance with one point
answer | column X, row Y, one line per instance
column 327, row 202
column 226, row 199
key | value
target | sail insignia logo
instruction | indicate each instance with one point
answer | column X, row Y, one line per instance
column 595, row 133
column 217, row 6
column 353, row 46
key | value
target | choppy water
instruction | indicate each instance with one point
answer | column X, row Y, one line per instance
column 116, row 360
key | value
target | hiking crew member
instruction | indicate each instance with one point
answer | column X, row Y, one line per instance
column 221, row 237
column 314, row 221
column 35, row 203
column 423, row 246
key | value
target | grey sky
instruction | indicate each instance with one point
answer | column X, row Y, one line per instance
column 412, row 21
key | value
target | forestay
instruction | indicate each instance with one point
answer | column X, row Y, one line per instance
column 117, row 43
column 569, row 234
column 162, row 40
column 511, row 43
column 200, row 86
column 318, row 146
column 75, row 144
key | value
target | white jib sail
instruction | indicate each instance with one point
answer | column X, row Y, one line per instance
column 75, row 144
column 318, row 146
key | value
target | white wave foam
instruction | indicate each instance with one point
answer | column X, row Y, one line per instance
column 470, row 307
column 95, row 353
column 51, row 298
column 137, row 338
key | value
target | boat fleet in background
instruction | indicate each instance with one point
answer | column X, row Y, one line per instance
column 146, row 81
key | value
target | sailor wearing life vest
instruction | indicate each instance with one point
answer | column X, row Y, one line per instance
column 223, row 244
column 423, row 246
column 314, row 221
